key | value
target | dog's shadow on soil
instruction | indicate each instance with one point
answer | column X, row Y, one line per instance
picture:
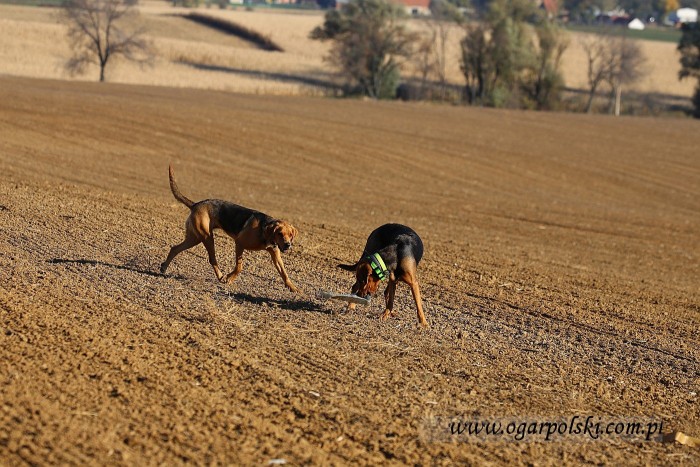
column 94, row 262
column 292, row 305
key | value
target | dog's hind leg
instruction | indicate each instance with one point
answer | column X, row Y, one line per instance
column 410, row 277
column 191, row 240
column 209, row 245
column 415, row 290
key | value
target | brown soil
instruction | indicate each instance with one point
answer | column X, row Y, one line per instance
column 560, row 278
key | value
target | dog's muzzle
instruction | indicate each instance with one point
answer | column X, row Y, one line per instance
column 286, row 246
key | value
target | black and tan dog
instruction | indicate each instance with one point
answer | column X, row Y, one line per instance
column 251, row 230
column 392, row 252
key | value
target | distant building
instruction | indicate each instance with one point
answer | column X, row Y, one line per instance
column 682, row 16
column 636, row 24
column 412, row 7
column 415, row 7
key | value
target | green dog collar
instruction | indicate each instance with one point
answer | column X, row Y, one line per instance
column 378, row 266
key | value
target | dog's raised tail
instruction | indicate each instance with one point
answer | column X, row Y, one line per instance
column 176, row 191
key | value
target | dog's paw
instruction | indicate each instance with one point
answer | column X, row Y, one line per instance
column 293, row 288
column 228, row 279
column 385, row 316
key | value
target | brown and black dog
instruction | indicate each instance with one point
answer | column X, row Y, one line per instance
column 392, row 252
column 251, row 230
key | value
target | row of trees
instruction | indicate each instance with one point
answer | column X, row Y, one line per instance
column 689, row 48
column 511, row 58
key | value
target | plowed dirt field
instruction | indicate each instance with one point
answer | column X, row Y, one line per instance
column 561, row 278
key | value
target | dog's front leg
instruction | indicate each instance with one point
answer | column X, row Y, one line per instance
column 279, row 265
column 239, row 265
column 355, row 290
column 389, row 293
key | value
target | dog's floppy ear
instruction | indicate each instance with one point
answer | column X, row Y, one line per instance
column 270, row 230
column 295, row 232
column 363, row 272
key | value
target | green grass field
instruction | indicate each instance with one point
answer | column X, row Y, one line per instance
column 650, row 34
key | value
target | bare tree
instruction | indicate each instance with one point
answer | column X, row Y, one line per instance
column 99, row 30
column 442, row 32
column 423, row 60
column 615, row 60
column 444, row 16
column 597, row 56
column 430, row 56
column 626, row 66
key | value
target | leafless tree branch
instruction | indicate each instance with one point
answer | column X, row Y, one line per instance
column 101, row 29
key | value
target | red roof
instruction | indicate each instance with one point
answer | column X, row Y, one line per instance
column 551, row 6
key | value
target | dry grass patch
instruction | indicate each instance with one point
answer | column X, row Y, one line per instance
column 169, row 26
